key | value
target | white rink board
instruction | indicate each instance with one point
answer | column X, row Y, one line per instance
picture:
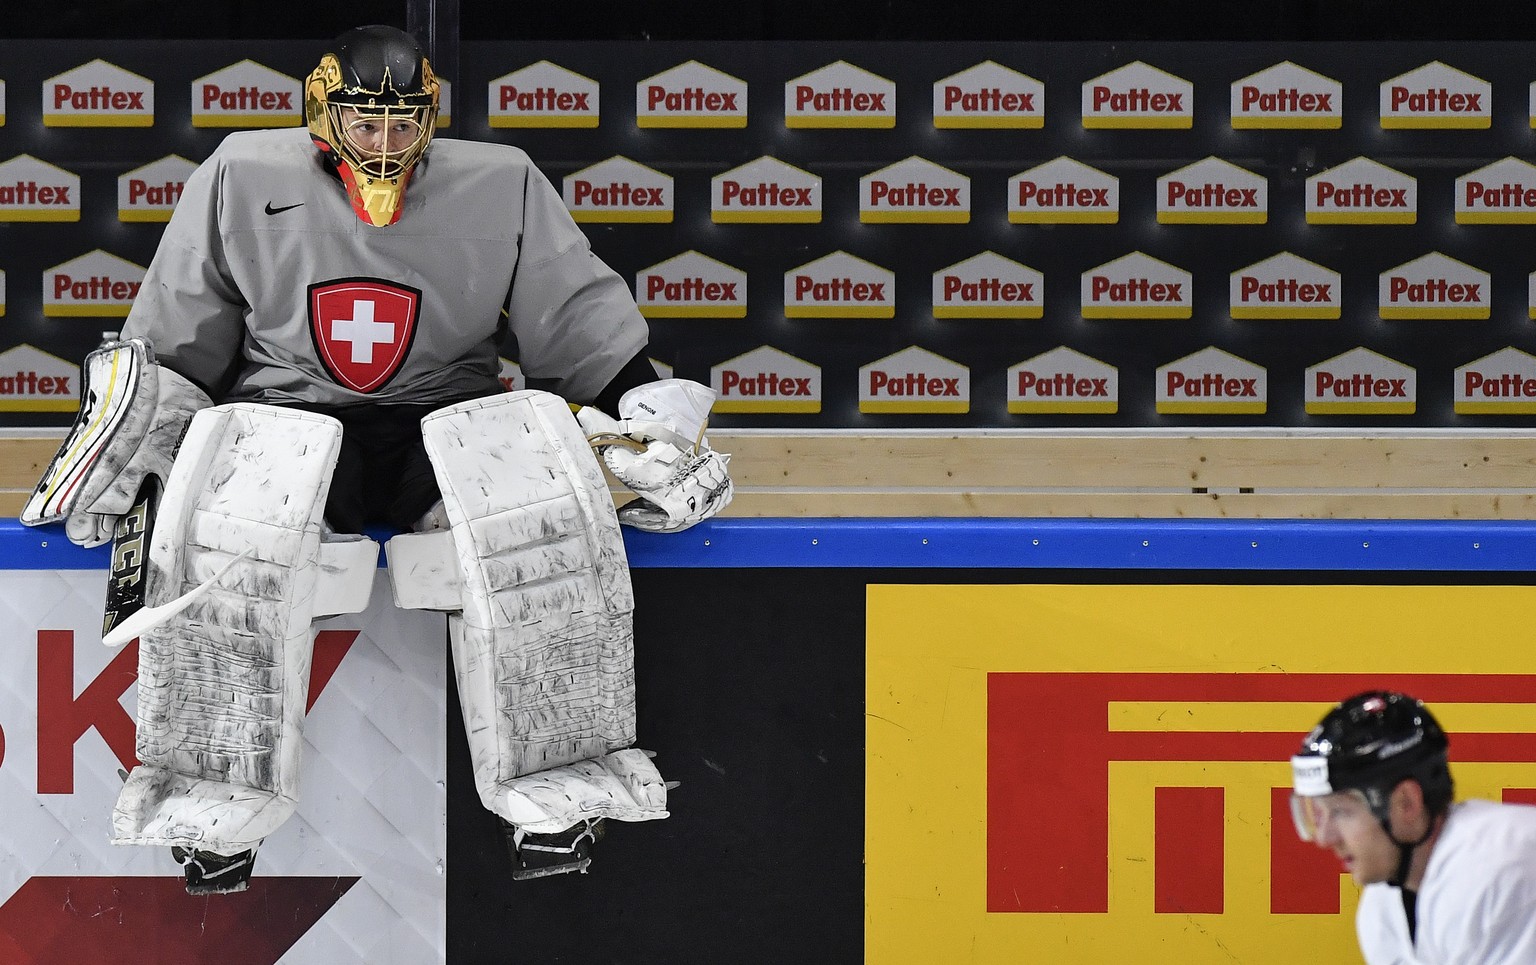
column 373, row 800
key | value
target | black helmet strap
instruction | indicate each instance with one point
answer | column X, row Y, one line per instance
column 1405, row 849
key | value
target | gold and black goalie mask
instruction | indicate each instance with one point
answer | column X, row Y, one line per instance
column 371, row 106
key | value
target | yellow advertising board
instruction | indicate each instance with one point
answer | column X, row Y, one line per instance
column 1073, row 774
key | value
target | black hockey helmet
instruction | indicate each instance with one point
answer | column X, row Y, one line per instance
column 371, row 107
column 1371, row 743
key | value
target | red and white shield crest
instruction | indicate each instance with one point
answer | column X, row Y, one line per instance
column 362, row 328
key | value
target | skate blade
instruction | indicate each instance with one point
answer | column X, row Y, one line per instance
column 573, row 867
column 213, row 889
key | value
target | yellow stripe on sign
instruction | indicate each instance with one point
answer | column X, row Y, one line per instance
column 1222, row 717
column 245, row 120
column 1269, row 717
column 1330, row 122
column 539, row 120
column 726, row 121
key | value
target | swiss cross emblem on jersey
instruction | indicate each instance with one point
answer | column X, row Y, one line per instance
column 362, row 329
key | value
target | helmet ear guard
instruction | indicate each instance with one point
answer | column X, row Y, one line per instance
column 374, row 76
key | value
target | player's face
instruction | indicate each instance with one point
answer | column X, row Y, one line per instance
column 1344, row 824
column 376, row 135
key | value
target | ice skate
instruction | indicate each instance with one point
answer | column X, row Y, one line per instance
column 209, row 873
column 542, row 855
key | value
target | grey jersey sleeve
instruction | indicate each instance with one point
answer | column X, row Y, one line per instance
column 575, row 319
column 189, row 306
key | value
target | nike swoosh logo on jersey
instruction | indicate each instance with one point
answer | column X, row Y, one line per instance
column 286, row 207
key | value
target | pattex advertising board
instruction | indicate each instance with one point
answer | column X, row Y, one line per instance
column 1135, row 203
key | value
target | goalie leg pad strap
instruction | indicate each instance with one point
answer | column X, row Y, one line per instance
column 543, row 647
column 424, row 571
column 223, row 683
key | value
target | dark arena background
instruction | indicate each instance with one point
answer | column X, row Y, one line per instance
column 790, row 20
column 996, row 684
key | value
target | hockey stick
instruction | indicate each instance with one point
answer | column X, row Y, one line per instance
column 151, row 617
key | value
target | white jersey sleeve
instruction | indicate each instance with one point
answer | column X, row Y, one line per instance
column 574, row 317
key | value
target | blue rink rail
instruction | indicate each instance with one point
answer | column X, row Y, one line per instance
column 1368, row 545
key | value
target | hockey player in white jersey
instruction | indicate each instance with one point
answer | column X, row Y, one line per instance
column 314, row 349
column 1444, row 883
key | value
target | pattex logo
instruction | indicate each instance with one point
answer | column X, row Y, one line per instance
column 542, row 95
column 618, row 189
column 1212, row 382
column 246, row 94
column 1436, row 96
column 1362, row 191
column 766, row 379
column 1063, row 380
column 1503, row 192
column 150, row 193
column 691, row 95
column 1136, row 286
column 98, row 94
column 989, row 95
column 1285, row 286
column 840, row 95
column 839, row 285
column 765, row 190
column 1503, row 383
column 1360, row 382
column 988, row 286
column 1212, row 191
column 691, row 285
column 1433, row 286
column 1138, row 95
column 914, row 191
column 96, row 284
column 31, row 380
column 34, row 190
column 914, row 380
column 1063, row 191
column 1287, row 96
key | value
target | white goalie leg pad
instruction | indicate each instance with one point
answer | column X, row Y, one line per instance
column 543, row 647
column 223, row 682
column 624, row 785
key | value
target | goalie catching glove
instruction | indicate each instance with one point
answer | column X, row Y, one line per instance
column 132, row 414
column 657, row 448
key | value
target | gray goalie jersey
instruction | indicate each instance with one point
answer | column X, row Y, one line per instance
column 266, row 287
